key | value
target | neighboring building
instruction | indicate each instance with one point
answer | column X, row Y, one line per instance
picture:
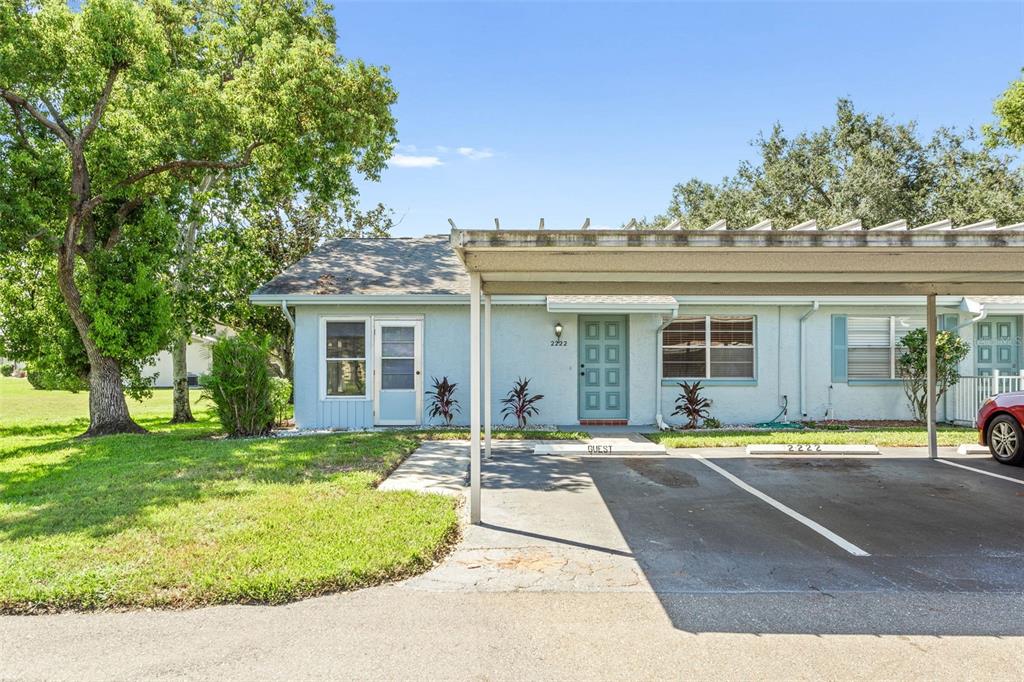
column 376, row 319
column 197, row 361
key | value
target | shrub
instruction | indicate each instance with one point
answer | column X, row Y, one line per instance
column 280, row 397
column 239, row 385
column 442, row 400
column 7, row 369
column 912, row 366
column 692, row 405
column 519, row 403
column 712, row 423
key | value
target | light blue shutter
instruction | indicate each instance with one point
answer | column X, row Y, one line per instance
column 839, row 349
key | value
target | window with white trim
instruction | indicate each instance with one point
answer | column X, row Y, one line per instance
column 708, row 347
column 345, row 358
column 873, row 344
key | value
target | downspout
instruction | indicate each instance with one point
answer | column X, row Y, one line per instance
column 803, row 365
column 981, row 316
column 658, row 418
column 778, row 361
column 287, row 315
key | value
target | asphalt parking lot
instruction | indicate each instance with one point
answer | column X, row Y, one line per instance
column 765, row 524
column 714, row 533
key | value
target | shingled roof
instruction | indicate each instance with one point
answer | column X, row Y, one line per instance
column 399, row 265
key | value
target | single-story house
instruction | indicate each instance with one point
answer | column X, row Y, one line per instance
column 377, row 319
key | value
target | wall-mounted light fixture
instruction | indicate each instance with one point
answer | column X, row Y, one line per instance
column 558, row 330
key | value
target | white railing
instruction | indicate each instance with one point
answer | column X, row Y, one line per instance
column 964, row 400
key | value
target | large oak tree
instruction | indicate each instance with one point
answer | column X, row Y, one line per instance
column 121, row 117
column 860, row 166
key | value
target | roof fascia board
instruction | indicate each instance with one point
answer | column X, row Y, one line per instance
column 942, row 301
column 388, row 299
column 611, row 308
column 1004, row 308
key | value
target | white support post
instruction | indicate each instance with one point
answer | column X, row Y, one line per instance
column 487, row 376
column 995, row 382
column 933, row 437
column 474, row 398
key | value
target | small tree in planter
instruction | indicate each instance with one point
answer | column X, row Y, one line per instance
column 691, row 404
column 442, row 400
column 912, row 366
column 519, row 403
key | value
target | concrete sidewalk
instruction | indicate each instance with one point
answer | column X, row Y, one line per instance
column 395, row 633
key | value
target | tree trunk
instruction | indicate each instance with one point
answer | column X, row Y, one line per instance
column 108, row 410
column 287, row 354
column 179, row 371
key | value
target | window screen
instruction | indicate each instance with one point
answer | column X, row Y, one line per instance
column 345, row 358
column 709, row 346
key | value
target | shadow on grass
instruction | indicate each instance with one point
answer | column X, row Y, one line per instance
column 61, row 484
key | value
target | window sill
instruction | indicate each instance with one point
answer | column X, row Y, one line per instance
column 874, row 382
column 344, row 397
column 711, row 382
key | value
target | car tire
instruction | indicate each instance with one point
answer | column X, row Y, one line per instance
column 1006, row 440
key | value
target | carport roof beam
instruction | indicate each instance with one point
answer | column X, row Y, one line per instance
column 938, row 260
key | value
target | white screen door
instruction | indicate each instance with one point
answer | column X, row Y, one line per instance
column 398, row 372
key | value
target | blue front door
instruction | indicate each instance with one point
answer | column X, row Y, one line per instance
column 604, row 367
column 997, row 345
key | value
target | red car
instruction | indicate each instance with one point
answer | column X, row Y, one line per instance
column 1001, row 427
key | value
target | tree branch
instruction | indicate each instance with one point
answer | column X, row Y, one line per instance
column 56, row 116
column 120, row 218
column 19, row 128
column 822, row 193
column 101, row 105
column 188, row 164
column 13, row 98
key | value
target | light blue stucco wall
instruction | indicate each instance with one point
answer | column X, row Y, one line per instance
column 522, row 347
column 522, row 336
column 778, row 370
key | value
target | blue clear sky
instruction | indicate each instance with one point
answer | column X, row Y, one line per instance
column 573, row 110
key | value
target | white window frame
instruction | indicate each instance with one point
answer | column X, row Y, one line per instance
column 893, row 346
column 367, row 353
column 707, row 350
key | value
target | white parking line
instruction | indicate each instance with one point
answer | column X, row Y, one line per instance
column 981, row 471
column 792, row 513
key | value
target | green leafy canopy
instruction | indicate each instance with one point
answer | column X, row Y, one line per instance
column 1009, row 111
column 859, row 167
column 115, row 115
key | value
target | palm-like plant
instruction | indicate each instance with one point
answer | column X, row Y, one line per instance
column 442, row 400
column 519, row 403
column 691, row 404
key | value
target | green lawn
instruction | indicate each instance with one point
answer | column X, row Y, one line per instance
column 882, row 436
column 22, row 405
column 180, row 517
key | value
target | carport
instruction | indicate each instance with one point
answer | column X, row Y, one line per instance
column 931, row 260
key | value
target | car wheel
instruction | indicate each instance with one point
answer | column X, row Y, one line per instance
column 1006, row 440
